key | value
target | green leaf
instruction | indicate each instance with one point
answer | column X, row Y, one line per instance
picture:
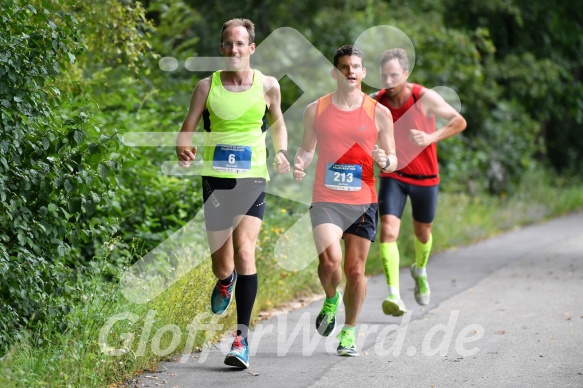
column 46, row 143
column 78, row 136
column 74, row 205
column 90, row 207
column 93, row 148
column 102, row 170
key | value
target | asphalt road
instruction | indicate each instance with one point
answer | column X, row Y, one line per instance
column 505, row 312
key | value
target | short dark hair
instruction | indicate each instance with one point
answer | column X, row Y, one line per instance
column 348, row 50
column 397, row 53
column 248, row 24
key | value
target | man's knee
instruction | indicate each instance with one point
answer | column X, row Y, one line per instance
column 328, row 263
column 354, row 274
column 422, row 231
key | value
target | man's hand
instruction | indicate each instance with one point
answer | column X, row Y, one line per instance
column 281, row 163
column 299, row 173
column 185, row 155
column 380, row 157
column 420, row 138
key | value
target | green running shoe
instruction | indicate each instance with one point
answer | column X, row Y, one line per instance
column 422, row 292
column 347, row 346
column 326, row 320
column 394, row 306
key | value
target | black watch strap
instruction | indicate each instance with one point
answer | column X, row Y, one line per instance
column 284, row 152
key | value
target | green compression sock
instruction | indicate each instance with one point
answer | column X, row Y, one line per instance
column 390, row 260
column 334, row 299
column 422, row 251
column 349, row 328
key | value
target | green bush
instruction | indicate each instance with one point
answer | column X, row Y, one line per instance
column 53, row 176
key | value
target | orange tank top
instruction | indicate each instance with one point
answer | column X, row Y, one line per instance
column 346, row 139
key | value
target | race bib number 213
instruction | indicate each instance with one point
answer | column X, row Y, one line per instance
column 345, row 177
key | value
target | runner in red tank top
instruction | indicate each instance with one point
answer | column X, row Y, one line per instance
column 414, row 109
column 346, row 125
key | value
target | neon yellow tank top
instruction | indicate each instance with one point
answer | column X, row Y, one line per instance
column 234, row 142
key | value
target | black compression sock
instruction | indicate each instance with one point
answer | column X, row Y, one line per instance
column 228, row 280
column 245, row 293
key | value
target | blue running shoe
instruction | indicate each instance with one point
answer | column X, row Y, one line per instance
column 222, row 296
column 239, row 354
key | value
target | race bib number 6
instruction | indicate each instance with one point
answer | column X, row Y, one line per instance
column 232, row 158
column 345, row 177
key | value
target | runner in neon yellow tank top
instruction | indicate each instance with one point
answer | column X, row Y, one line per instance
column 233, row 104
column 236, row 131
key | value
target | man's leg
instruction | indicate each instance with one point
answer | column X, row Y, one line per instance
column 422, row 242
column 357, row 249
column 392, row 199
column 327, row 239
column 423, row 204
column 390, row 258
column 390, row 226
column 244, row 242
column 357, row 240
column 218, row 222
column 221, row 247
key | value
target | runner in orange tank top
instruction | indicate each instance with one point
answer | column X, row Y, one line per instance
column 346, row 125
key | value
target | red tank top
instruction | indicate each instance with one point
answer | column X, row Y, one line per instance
column 346, row 139
column 412, row 159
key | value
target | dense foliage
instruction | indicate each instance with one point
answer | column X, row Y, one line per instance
column 54, row 171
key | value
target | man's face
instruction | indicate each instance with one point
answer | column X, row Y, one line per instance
column 349, row 71
column 393, row 77
column 236, row 47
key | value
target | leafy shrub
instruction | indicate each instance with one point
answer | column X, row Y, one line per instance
column 53, row 176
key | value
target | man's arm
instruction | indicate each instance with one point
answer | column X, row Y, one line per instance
column 305, row 153
column 277, row 127
column 184, row 149
column 434, row 105
column 385, row 156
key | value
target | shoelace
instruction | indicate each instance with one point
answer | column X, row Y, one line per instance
column 237, row 344
column 346, row 338
column 329, row 307
column 224, row 290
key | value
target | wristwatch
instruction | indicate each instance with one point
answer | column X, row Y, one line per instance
column 284, row 152
column 387, row 165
